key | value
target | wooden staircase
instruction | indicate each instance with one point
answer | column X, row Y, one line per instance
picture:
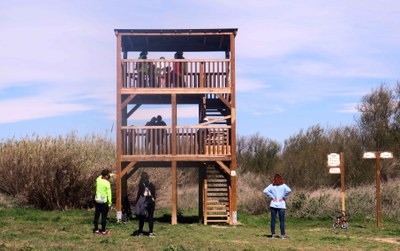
column 216, row 197
column 214, row 109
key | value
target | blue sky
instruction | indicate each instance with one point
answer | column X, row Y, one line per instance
column 299, row 63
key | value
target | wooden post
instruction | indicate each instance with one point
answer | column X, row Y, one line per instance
column 378, row 155
column 201, row 192
column 174, row 218
column 378, row 189
column 118, row 129
column 342, row 181
column 233, row 206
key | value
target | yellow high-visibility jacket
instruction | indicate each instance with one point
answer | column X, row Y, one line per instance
column 103, row 191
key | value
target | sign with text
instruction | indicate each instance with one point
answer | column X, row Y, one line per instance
column 334, row 170
column 386, row 155
column 333, row 160
column 369, row 155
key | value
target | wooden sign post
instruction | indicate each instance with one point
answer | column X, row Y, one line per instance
column 378, row 156
column 336, row 166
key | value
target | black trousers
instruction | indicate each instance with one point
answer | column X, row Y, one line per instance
column 150, row 217
column 100, row 208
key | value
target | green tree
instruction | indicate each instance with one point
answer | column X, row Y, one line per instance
column 377, row 119
column 379, row 124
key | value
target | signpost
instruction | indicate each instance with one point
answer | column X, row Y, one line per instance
column 378, row 156
column 336, row 166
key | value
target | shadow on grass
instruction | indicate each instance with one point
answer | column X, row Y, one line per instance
column 182, row 219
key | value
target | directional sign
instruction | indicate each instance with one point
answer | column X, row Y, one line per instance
column 386, row 155
column 369, row 155
column 334, row 170
column 333, row 159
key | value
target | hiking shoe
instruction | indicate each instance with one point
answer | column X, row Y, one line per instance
column 152, row 235
column 284, row 236
column 274, row 236
column 140, row 234
column 105, row 232
column 96, row 231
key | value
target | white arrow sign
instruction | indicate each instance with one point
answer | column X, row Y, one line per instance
column 369, row 155
column 386, row 155
column 335, row 170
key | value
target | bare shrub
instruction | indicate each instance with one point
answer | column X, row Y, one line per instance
column 249, row 193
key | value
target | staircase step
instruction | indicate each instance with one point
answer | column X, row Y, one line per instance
column 217, row 216
column 216, row 211
column 216, row 205
column 227, row 221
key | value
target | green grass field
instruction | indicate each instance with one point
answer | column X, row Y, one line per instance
column 28, row 229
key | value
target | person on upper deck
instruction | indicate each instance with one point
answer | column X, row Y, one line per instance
column 179, row 71
column 161, row 135
column 163, row 73
column 150, row 136
column 202, row 136
column 145, row 71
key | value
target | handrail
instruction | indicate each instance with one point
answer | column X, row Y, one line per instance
column 176, row 73
column 191, row 140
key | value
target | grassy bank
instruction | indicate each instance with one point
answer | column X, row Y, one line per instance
column 29, row 229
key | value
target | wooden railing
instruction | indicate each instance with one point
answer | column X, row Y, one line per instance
column 175, row 73
column 190, row 140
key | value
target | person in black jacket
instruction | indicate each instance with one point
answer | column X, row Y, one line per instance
column 145, row 203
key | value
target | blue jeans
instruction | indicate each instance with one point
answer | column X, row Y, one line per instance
column 281, row 213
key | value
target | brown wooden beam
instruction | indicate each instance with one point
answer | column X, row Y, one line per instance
column 226, row 102
column 175, row 90
column 127, row 100
column 224, row 167
column 127, row 168
column 133, row 109
column 118, row 131
column 174, row 216
column 233, row 194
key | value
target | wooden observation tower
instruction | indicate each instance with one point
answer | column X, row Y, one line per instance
column 206, row 81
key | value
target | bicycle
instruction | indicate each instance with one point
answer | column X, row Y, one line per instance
column 341, row 221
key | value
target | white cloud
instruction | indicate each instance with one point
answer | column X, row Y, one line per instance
column 23, row 109
column 249, row 85
column 348, row 108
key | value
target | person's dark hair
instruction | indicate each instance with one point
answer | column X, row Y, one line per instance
column 278, row 180
column 144, row 178
column 159, row 118
column 178, row 55
column 105, row 172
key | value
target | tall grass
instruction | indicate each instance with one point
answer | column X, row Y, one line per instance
column 54, row 173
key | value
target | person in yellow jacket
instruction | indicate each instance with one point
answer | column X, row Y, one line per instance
column 103, row 201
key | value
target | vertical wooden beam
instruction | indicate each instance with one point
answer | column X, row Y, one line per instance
column 378, row 189
column 118, row 128
column 174, row 218
column 201, row 192
column 342, row 181
column 233, row 204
